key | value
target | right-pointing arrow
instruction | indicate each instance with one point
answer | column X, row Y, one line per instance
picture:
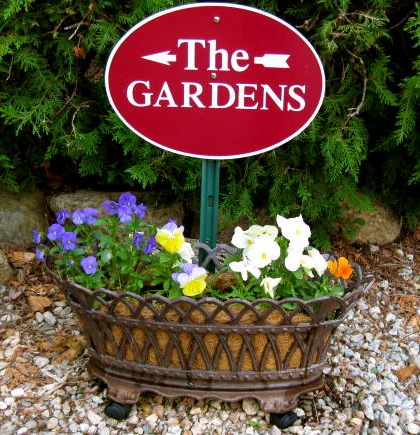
column 272, row 60
column 162, row 57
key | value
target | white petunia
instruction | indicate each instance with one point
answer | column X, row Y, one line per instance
column 320, row 264
column 296, row 258
column 269, row 284
column 263, row 252
column 243, row 267
column 295, row 230
column 186, row 252
column 242, row 240
column 256, row 231
column 240, row 267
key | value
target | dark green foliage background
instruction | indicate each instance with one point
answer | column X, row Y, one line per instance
column 363, row 145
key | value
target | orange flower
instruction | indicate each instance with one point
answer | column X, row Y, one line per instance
column 342, row 269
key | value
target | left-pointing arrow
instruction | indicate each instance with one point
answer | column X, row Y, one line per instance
column 163, row 57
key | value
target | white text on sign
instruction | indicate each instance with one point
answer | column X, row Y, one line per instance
column 214, row 95
column 221, row 96
column 238, row 60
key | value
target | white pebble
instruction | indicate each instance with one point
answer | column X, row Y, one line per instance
column 133, row 420
column 390, row 317
column 41, row 361
column 50, row 318
column 31, row 424
column 74, row 427
column 84, row 427
column 375, row 387
column 52, row 423
column 375, row 310
column 93, row 417
column 18, row 392
column 384, row 417
column 413, row 428
column 356, row 421
column 250, row 406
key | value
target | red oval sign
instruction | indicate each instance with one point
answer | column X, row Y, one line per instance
column 215, row 80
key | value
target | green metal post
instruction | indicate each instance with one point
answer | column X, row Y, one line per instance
column 209, row 204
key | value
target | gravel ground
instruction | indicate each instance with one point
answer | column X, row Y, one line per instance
column 371, row 379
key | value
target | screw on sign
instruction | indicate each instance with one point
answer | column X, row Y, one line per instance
column 215, row 80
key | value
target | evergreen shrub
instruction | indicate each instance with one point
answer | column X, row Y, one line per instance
column 364, row 144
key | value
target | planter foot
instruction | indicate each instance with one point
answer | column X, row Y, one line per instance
column 283, row 420
column 117, row 411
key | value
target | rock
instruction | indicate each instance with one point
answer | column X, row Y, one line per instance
column 413, row 428
column 385, row 418
column 52, row 423
column 50, row 318
column 20, row 213
column 275, row 431
column 405, row 271
column 415, row 360
column 159, row 410
column 198, row 429
column 93, row 417
column 84, row 427
column 379, row 225
column 6, row 271
column 41, row 361
column 157, row 212
column 375, row 387
column 18, row 392
column 390, row 317
column 356, row 421
column 250, row 406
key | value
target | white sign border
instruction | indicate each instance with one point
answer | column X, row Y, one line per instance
column 198, row 5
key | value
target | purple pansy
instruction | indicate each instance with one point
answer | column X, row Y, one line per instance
column 39, row 253
column 127, row 199
column 62, row 215
column 187, row 268
column 91, row 215
column 36, row 236
column 111, row 207
column 68, row 240
column 191, row 272
column 78, row 217
column 138, row 239
column 124, row 214
column 89, row 264
column 55, row 231
column 150, row 245
column 140, row 211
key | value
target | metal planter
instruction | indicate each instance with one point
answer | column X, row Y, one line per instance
column 207, row 348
